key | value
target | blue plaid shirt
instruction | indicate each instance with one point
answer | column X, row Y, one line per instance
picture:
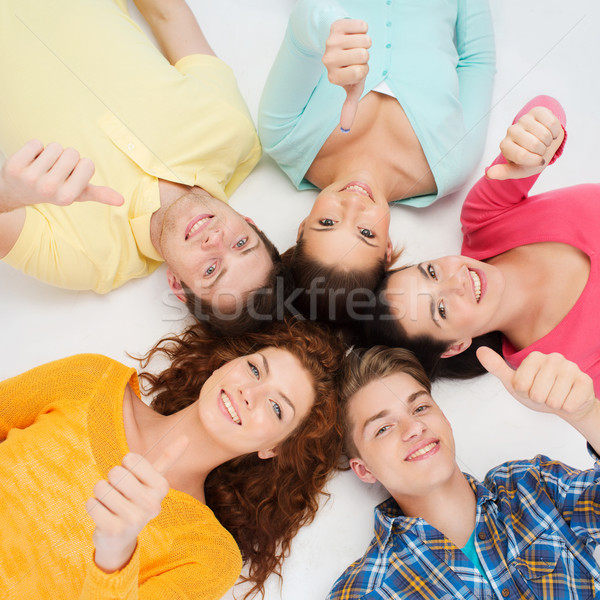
column 537, row 525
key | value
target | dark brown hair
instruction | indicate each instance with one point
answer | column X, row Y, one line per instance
column 328, row 291
column 385, row 328
column 262, row 503
column 363, row 367
column 262, row 305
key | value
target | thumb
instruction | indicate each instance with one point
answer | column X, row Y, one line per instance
column 493, row 363
column 171, row 454
column 101, row 194
column 353, row 94
column 501, row 171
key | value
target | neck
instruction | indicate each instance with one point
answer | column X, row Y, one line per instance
column 450, row 508
column 520, row 303
column 153, row 433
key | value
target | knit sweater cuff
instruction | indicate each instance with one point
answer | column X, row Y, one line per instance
column 121, row 584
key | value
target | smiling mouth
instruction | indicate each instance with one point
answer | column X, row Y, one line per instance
column 232, row 412
column 422, row 451
column 476, row 285
column 196, row 226
column 360, row 188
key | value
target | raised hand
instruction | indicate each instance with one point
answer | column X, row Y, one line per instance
column 529, row 145
column 126, row 502
column 546, row 383
column 36, row 174
column 346, row 58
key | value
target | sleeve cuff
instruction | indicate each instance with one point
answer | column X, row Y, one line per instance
column 99, row 585
column 556, row 107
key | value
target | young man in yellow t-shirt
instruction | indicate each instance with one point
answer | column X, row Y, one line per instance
column 169, row 140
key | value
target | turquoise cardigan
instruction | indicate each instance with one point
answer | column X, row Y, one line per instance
column 437, row 57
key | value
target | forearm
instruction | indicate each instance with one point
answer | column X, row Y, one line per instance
column 476, row 64
column 296, row 70
column 175, row 28
column 99, row 585
column 589, row 426
column 489, row 197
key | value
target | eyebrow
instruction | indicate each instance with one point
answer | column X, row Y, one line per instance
column 431, row 304
column 267, row 371
column 385, row 412
column 362, row 238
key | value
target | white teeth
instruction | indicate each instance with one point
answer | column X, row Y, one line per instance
column 197, row 226
column 230, row 408
column 422, row 451
column 477, row 284
column 356, row 188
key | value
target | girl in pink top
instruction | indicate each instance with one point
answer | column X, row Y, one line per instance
column 528, row 278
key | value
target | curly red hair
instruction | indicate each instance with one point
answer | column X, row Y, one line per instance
column 262, row 503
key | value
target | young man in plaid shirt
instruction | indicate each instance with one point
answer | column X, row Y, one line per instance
column 528, row 531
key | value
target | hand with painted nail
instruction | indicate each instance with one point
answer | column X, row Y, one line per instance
column 36, row 174
column 529, row 145
column 126, row 501
column 346, row 58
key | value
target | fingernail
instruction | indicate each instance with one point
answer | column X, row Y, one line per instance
column 344, row 130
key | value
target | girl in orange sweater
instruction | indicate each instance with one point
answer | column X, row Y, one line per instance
column 245, row 427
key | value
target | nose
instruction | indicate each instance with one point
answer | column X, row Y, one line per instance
column 213, row 237
column 457, row 283
column 410, row 428
column 248, row 395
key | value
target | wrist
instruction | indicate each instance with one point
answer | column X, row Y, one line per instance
column 588, row 423
column 110, row 559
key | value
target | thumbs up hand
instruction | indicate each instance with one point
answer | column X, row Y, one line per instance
column 545, row 383
column 124, row 503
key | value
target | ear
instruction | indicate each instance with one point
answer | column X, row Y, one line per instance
column 249, row 220
column 265, row 454
column 175, row 285
column 389, row 251
column 457, row 348
column 300, row 230
column 361, row 470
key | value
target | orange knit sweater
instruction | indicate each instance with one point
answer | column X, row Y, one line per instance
column 63, row 424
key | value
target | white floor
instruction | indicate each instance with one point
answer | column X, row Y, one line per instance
column 543, row 46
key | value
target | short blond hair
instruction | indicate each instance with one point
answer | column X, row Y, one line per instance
column 363, row 367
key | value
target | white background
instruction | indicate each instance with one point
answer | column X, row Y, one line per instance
column 543, row 46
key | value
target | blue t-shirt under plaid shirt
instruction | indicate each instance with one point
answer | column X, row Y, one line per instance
column 537, row 525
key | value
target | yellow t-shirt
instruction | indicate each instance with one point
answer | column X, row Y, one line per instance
column 82, row 73
column 63, row 424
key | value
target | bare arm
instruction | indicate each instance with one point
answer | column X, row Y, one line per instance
column 175, row 28
column 36, row 174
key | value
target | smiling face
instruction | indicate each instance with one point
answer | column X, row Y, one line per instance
column 348, row 226
column 214, row 250
column 404, row 440
column 254, row 402
column 451, row 299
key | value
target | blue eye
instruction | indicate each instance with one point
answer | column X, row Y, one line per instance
column 382, row 430
column 210, row 270
column 241, row 243
column 367, row 233
column 276, row 408
column 431, row 272
column 326, row 222
column 254, row 370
